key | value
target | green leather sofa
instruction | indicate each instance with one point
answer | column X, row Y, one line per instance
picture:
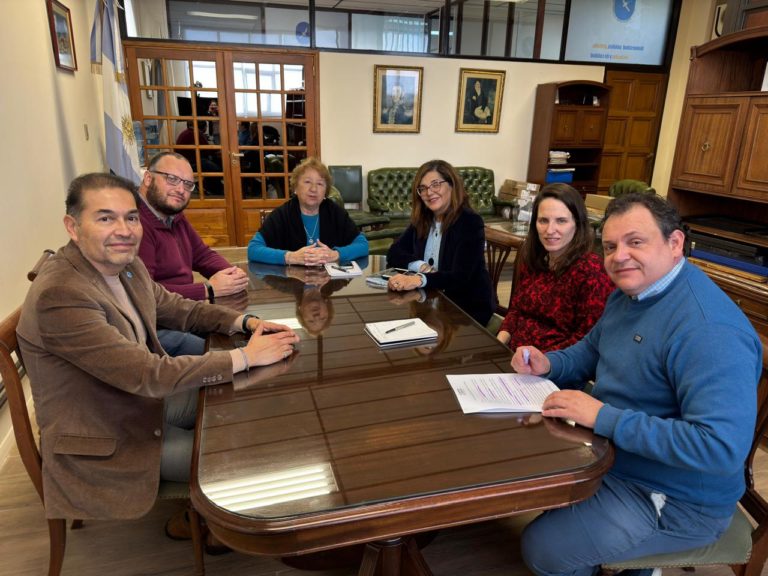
column 389, row 194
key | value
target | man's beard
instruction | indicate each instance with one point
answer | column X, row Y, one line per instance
column 153, row 197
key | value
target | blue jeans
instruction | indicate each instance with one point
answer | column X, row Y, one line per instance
column 177, row 343
column 622, row 520
column 179, row 411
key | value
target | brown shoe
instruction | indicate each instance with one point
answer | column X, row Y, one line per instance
column 178, row 527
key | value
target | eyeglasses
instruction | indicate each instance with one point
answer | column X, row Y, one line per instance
column 433, row 186
column 174, row 180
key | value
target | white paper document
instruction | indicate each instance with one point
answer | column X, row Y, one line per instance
column 500, row 392
column 410, row 331
column 343, row 270
column 292, row 323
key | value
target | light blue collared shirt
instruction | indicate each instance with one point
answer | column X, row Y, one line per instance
column 431, row 252
column 661, row 284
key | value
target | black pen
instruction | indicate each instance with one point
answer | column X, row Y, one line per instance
column 411, row 323
column 342, row 268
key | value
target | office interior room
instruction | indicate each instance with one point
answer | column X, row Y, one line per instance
column 53, row 122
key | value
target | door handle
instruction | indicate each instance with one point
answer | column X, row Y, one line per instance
column 234, row 158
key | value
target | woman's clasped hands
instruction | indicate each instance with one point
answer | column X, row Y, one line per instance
column 316, row 254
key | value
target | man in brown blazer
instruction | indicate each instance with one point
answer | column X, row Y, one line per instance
column 97, row 370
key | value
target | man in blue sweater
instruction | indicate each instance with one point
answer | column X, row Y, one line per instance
column 675, row 364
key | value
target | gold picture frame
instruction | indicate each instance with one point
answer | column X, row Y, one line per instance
column 60, row 23
column 479, row 103
column 397, row 98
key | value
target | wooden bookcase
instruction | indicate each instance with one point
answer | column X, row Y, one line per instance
column 720, row 169
column 569, row 117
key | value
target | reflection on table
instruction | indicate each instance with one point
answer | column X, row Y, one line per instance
column 347, row 443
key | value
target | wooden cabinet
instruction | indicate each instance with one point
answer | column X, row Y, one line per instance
column 569, row 117
column 574, row 126
column 719, row 179
column 705, row 159
column 752, row 170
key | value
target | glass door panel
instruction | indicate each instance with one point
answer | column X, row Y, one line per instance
column 240, row 118
column 268, row 95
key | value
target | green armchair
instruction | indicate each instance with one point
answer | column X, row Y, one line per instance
column 621, row 187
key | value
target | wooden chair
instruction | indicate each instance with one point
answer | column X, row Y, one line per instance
column 12, row 373
column 44, row 257
column 743, row 547
column 498, row 246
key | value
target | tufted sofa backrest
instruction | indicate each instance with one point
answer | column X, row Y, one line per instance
column 389, row 189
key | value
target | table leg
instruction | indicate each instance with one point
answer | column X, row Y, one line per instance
column 413, row 562
column 395, row 557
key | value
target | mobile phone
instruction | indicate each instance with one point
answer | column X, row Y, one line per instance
column 389, row 272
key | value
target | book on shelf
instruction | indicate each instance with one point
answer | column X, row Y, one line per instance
column 405, row 332
column 726, row 247
column 506, row 392
column 730, row 262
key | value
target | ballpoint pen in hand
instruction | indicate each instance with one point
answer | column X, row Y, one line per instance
column 400, row 327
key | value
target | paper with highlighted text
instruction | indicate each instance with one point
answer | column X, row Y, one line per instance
column 500, row 392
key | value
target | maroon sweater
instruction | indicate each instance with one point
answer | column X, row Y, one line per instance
column 172, row 253
column 551, row 312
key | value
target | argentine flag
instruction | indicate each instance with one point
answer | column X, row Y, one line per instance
column 107, row 58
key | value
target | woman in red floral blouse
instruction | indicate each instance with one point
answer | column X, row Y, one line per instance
column 562, row 286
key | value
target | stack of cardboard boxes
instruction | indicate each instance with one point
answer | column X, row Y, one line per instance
column 518, row 197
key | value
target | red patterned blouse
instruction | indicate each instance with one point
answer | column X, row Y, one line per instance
column 551, row 312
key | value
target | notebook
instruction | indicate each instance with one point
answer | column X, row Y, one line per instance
column 405, row 332
column 346, row 270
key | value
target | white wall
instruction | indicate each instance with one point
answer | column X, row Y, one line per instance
column 694, row 28
column 43, row 114
column 346, row 114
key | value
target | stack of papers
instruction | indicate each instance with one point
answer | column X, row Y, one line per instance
column 407, row 332
column 343, row 270
column 558, row 157
column 500, row 392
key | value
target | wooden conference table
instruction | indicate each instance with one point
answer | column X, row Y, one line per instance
column 345, row 443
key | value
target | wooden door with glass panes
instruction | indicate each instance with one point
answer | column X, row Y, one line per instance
column 242, row 118
column 271, row 100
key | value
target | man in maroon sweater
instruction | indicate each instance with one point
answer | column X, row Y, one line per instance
column 172, row 250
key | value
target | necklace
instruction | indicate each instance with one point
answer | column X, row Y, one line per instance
column 311, row 237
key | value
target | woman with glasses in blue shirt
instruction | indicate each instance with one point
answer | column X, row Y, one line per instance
column 443, row 247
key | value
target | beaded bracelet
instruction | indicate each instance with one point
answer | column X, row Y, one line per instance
column 245, row 359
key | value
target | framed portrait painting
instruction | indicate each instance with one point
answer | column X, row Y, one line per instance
column 479, row 104
column 397, row 98
column 62, row 38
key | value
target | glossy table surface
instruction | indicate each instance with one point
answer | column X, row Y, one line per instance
column 346, row 443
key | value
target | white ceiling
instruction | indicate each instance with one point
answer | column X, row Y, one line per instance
column 393, row 6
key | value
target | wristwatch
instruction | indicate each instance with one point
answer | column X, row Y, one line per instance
column 247, row 317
